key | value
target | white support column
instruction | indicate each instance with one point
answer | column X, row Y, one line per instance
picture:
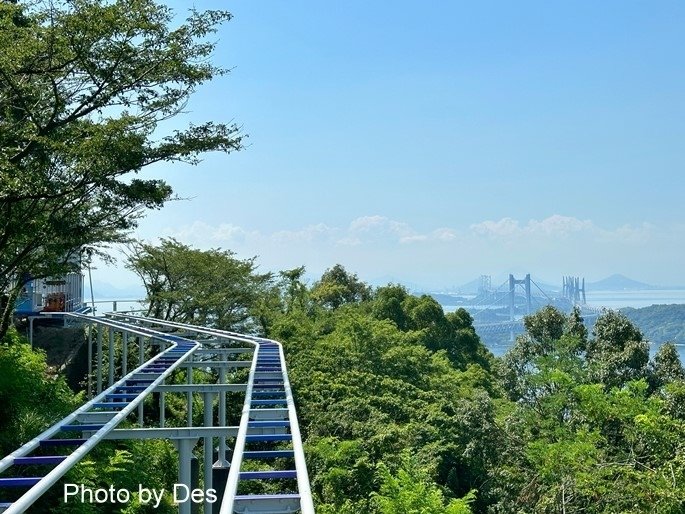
column 111, row 356
column 90, row 361
column 208, row 442
column 141, row 360
column 185, row 452
column 189, row 398
column 124, row 353
column 99, row 374
column 162, row 407
column 221, row 461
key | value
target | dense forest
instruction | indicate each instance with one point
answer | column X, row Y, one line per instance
column 401, row 406
column 660, row 323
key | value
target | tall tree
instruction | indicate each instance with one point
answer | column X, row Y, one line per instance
column 205, row 287
column 84, row 85
column 665, row 366
column 618, row 353
column 338, row 287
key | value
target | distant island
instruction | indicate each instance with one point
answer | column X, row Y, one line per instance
column 618, row 282
column 659, row 323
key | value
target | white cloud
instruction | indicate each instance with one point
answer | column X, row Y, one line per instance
column 385, row 232
column 229, row 233
column 444, row 234
column 377, row 245
column 203, row 234
column 313, row 233
column 557, row 226
column 503, row 228
column 632, row 234
column 378, row 229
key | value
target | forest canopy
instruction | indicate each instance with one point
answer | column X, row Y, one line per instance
column 84, row 86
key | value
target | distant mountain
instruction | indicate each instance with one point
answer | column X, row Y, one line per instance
column 448, row 299
column 617, row 282
column 471, row 287
column 390, row 279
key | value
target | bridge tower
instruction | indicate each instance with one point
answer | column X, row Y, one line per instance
column 512, row 294
column 485, row 286
column 574, row 290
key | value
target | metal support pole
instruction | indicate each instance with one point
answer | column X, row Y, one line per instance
column 111, row 356
column 141, row 360
column 185, row 452
column 208, row 441
column 99, row 375
column 189, row 398
column 221, row 458
column 90, row 361
column 162, row 407
column 124, row 354
column 31, row 318
column 194, row 483
column 219, row 477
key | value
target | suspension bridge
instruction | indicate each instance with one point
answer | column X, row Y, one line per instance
column 143, row 356
column 500, row 310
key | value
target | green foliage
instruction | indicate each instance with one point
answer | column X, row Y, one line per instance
column 617, row 353
column 338, row 287
column 660, row 323
column 665, row 366
column 584, row 435
column 83, row 86
column 210, row 288
column 412, row 491
column 546, row 325
column 123, row 465
column 366, row 391
column 388, row 304
column 31, row 395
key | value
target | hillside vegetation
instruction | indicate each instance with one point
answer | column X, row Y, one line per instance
column 660, row 323
column 403, row 409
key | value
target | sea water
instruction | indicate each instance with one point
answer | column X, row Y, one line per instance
column 612, row 300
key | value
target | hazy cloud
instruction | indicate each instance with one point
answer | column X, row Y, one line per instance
column 313, row 233
column 558, row 226
column 381, row 230
column 376, row 245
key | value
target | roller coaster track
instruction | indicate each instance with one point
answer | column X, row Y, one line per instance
column 267, row 437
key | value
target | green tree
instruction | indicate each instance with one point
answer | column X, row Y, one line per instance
column 205, row 287
column 338, row 287
column 617, row 353
column 665, row 366
column 84, row 85
column 388, row 304
column 411, row 491
column 575, row 326
column 544, row 327
column 32, row 397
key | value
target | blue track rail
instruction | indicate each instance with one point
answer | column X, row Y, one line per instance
column 268, row 440
column 268, row 423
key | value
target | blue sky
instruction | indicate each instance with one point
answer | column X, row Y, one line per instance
column 431, row 142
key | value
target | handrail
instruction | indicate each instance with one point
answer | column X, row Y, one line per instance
column 37, row 490
column 230, row 492
column 232, row 502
